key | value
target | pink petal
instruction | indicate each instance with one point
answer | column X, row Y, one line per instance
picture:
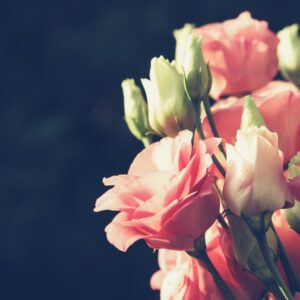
column 118, row 235
column 238, row 181
column 156, row 280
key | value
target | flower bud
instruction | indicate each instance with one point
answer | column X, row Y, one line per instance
column 189, row 57
column 288, row 52
column 254, row 163
column 293, row 214
column 246, row 248
column 251, row 116
column 135, row 109
column 254, row 182
column 170, row 109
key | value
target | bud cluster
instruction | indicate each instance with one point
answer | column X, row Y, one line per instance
column 172, row 90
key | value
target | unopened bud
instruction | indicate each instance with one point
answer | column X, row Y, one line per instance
column 170, row 109
column 246, row 249
column 288, row 52
column 135, row 109
column 189, row 57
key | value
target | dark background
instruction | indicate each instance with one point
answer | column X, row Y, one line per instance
column 61, row 130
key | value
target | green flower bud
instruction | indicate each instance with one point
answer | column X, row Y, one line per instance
column 170, row 109
column 288, row 52
column 251, row 116
column 135, row 108
column 246, row 249
column 189, row 57
column 293, row 214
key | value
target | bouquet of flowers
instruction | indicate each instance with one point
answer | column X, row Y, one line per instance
column 217, row 188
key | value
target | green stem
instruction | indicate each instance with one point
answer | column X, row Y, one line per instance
column 264, row 248
column 274, row 289
column 212, row 123
column 199, row 128
column 288, row 269
column 217, row 278
column 222, row 221
column 146, row 141
column 199, row 252
column 218, row 164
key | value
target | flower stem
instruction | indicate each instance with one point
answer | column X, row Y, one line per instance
column 274, row 289
column 222, row 221
column 288, row 269
column 218, row 164
column 217, row 278
column 212, row 123
column 199, row 252
column 146, row 141
column 264, row 248
column 199, row 128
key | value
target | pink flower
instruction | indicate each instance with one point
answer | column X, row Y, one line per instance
column 241, row 54
column 254, row 180
column 167, row 197
column 182, row 277
column 279, row 104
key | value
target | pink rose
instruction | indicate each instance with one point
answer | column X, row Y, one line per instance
column 254, row 180
column 167, row 197
column 279, row 104
column 241, row 54
column 182, row 277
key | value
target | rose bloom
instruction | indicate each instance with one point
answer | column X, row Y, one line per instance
column 254, row 180
column 182, row 277
column 279, row 104
column 241, row 54
column 167, row 198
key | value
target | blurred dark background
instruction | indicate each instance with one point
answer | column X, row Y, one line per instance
column 61, row 130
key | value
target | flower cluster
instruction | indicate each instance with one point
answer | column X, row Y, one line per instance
column 219, row 193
